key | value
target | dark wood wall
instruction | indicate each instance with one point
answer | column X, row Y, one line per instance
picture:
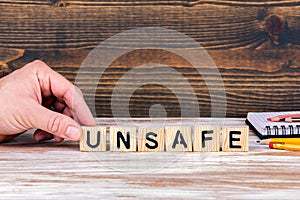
column 255, row 45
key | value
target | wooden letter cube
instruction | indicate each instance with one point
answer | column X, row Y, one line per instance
column 235, row 138
column 122, row 139
column 151, row 139
column 178, row 138
column 206, row 138
column 93, row 138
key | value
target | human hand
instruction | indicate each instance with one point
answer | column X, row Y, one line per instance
column 35, row 96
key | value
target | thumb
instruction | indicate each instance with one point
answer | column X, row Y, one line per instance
column 55, row 123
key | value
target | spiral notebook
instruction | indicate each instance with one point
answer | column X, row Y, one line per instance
column 265, row 129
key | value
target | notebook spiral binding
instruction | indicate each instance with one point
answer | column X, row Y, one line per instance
column 290, row 130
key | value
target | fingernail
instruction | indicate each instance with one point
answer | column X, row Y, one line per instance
column 43, row 137
column 73, row 133
column 40, row 137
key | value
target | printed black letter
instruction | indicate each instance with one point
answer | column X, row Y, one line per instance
column 125, row 142
column 206, row 138
column 88, row 140
column 155, row 143
column 182, row 141
column 231, row 139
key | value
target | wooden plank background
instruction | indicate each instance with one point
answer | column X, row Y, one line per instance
column 255, row 45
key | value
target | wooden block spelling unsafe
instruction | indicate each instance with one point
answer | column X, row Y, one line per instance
column 235, row 138
column 206, row 138
column 151, row 139
column 93, row 138
column 122, row 138
column 176, row 138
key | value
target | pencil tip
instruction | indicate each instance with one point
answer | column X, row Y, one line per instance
column 258, row 141
column 269, row 119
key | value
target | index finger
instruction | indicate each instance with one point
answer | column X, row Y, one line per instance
column 52, row 83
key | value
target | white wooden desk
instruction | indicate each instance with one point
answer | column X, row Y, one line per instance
column 31, row 170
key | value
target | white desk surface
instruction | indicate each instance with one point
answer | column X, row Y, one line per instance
column 48, row 170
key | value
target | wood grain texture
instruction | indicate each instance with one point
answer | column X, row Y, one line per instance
column 124, row 136
column 214, row 27
column 8, row 55
column 178, row 138
column 31, row 170
column 255, row 45
column 157, row 134
column 206, row 141
column 235, row 138
column 93, row 138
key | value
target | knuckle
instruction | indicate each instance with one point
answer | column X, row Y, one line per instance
column 78, row 90
column 68, row 96
column 38, row 62
column 35, row 65
column 54, row 123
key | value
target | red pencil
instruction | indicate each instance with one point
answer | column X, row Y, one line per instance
column 285, row 118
